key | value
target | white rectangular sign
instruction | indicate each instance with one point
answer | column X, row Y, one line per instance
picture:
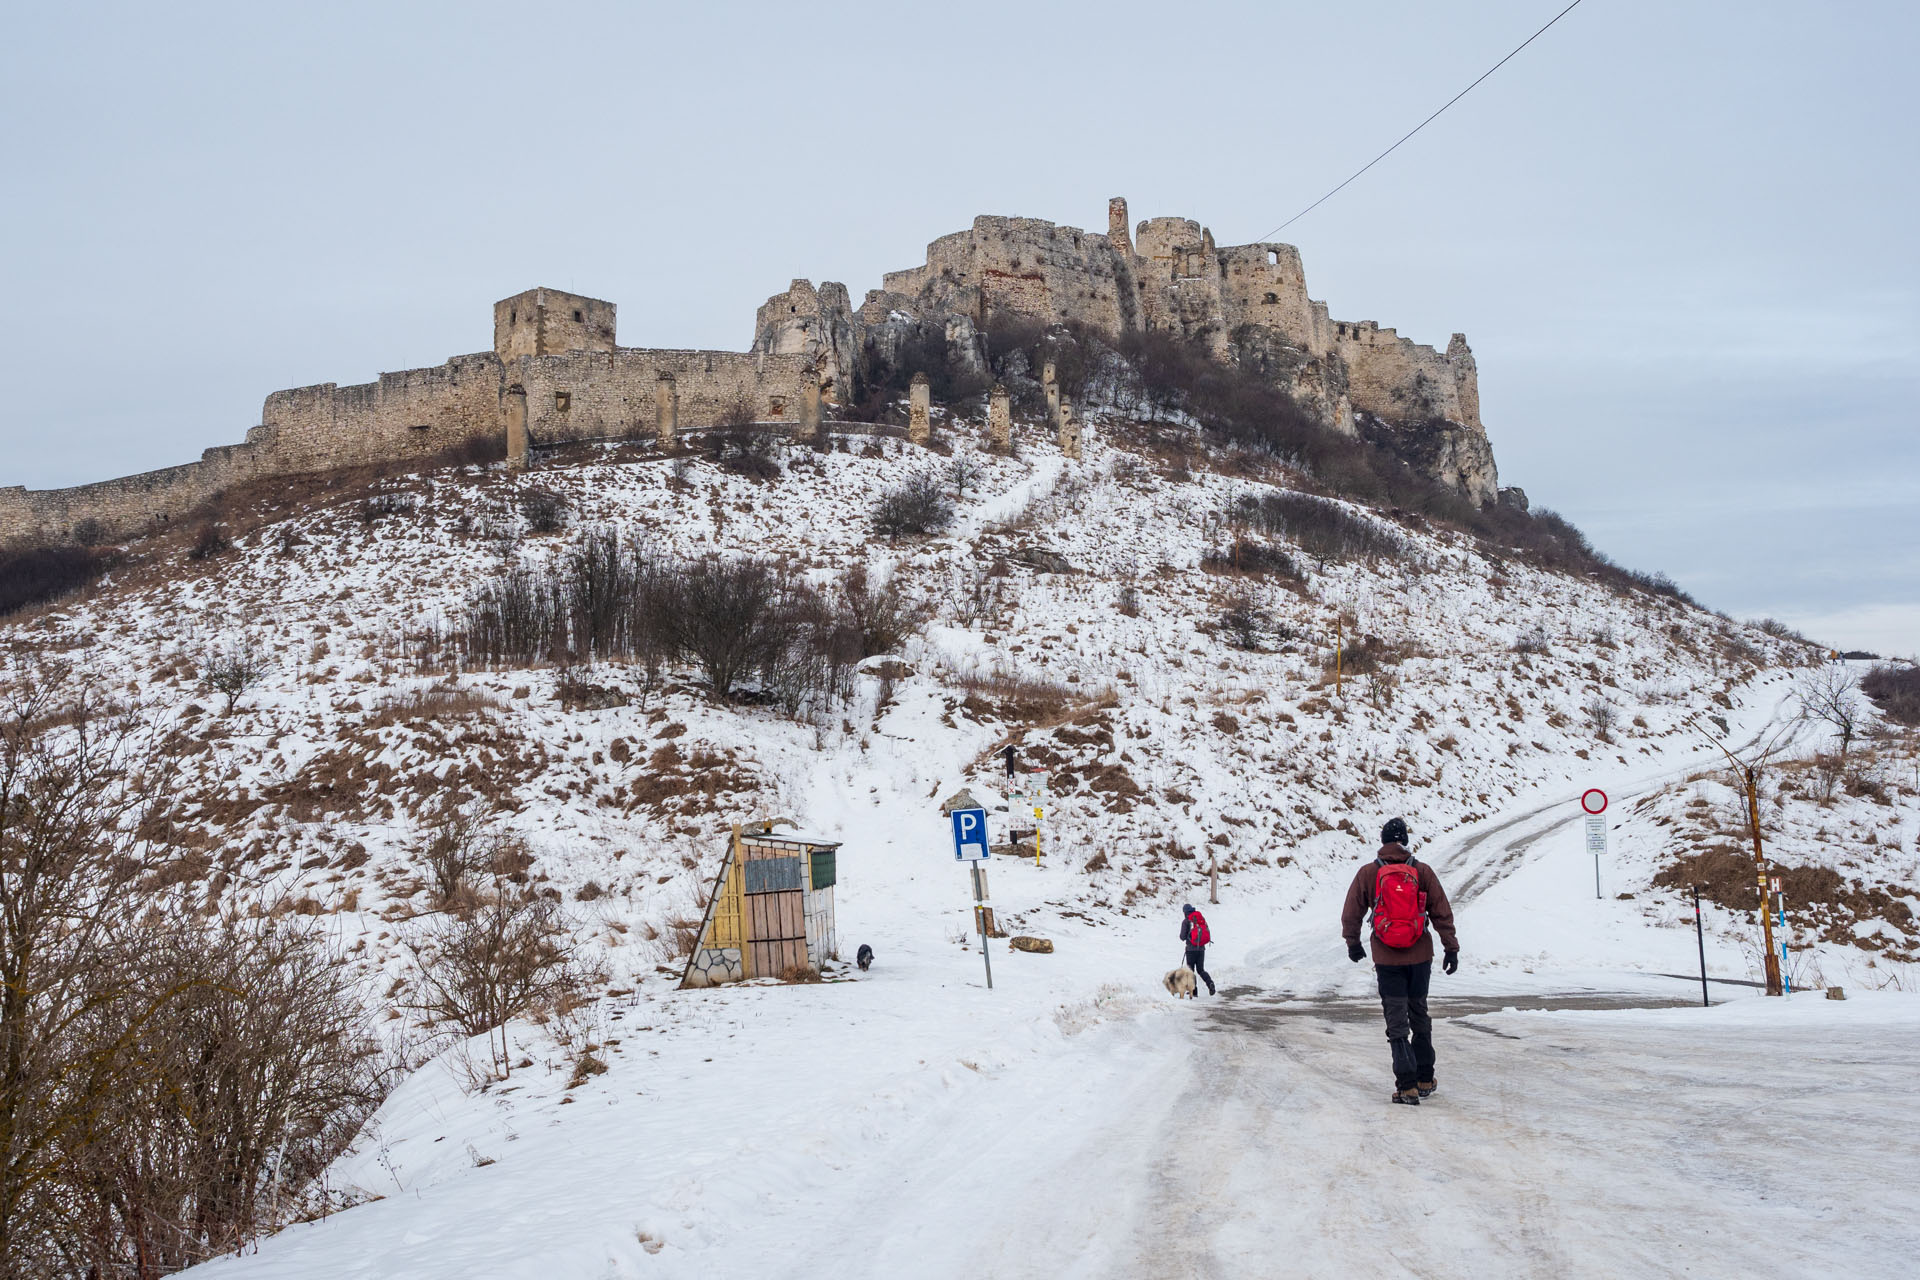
column 1596, row 835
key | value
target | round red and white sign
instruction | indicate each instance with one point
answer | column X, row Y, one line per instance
column 1594, row 801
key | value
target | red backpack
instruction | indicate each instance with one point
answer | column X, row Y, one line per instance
column 1399, row 903
column 1198, row 935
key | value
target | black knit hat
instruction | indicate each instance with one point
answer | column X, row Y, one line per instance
column 1395, row 832
column 1187, row 909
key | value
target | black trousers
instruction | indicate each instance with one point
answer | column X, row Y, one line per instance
column 1197, row 961
column 1403, row 998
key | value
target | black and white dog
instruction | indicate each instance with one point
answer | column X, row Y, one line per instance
column 864, row 957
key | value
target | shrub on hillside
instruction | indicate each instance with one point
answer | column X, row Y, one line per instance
column 1895, row 689
column 1320, row 527
column 209, row 542
column 1252, row 556
column 917, row 505
column 543, row 511
column 35, row 575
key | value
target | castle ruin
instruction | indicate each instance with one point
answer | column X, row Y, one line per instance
column 556, row 373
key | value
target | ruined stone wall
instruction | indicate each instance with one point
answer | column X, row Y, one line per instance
column 1392, row 377
column 1025, row 265
column 587, row 395
column 411, row 414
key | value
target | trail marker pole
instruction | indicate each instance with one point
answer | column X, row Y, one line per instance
column 1700, row 937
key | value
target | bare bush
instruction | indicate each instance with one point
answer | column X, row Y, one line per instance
column 879, row 613
column 457, row 849
column 1895, row 689
column 544, row 511
column 1602, row 715
column 1244, row 623
column 482, row 968
column 1250, row 556
column 209, row 542
column 1321, row 527
column 917, row 505
column 161, row 1088
column 1532, row 640
column 516, row 618
column 232, row 669
column 35, row 575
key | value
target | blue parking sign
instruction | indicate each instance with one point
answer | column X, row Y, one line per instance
column 970, row 835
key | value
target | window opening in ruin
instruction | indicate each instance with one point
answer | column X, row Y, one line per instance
column 1273, row 257
column 1272, row 298
column 563, row 400
column 422, row 426
column 779, row 404
column 577, row 317
column 513, row 317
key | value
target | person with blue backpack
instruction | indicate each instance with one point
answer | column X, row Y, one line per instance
column 1194, row 932
column 1404, row 896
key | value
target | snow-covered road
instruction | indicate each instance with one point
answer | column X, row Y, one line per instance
column 1253, row 1139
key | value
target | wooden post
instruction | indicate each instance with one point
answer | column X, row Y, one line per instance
column 1213, row 879
column 1760, row 867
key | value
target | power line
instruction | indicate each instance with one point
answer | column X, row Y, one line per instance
column 1423, row 124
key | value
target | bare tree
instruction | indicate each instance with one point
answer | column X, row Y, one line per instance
column 1602, row 715
column 1830, row 694
column 230, row 670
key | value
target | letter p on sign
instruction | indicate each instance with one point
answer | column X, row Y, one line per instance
column 969, row 835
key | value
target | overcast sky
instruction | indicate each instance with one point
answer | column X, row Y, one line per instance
column 1677, row 232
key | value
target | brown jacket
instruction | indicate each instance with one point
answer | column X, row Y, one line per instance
column 1360, row 901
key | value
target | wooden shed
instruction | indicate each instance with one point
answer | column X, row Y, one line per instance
column 771, row 909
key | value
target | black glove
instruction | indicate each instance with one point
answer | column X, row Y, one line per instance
column 1356, row 952
column 1450, row 962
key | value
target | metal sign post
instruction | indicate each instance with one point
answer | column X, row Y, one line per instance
column 970, row 847
column 1700, row 936
column 1594, row 802
column 1780, row 915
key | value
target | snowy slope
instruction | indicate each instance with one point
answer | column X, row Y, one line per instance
column 741, row 1127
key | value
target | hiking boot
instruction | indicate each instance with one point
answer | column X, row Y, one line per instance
column 1426, row 1088
column 1409, row 1096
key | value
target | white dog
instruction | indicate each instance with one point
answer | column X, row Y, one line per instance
column 1180, row 983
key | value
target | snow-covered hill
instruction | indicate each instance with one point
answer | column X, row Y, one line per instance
column 1104, row 616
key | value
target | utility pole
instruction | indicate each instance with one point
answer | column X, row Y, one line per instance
column 1750, row 778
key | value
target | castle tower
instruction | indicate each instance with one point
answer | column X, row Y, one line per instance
column 999, row 419
column 919, row 410
column 1050, row 384
column 666, row 410
column 1069, row 432
column 1117, row 225
column 547, row 322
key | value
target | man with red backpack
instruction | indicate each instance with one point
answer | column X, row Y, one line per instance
column 1194, row 932
column 1404, row 896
